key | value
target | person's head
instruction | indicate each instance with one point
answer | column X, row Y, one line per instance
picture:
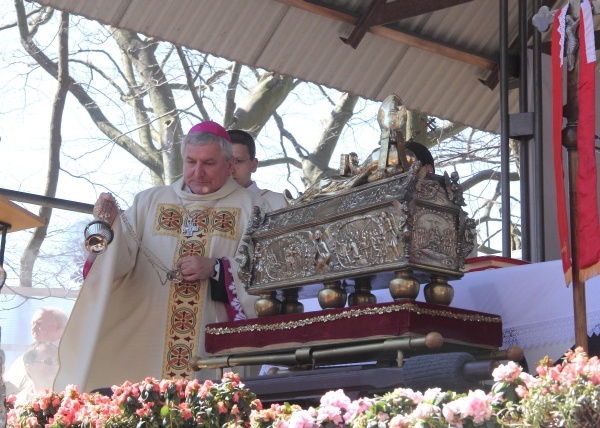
column 421, row 153
column 48, row 324
column 244, row 152
column 207, row 158
column 41, row 364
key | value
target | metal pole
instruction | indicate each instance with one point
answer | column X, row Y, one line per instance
column 308, row 356
column 504, row 131
column 524, row 141
column 538, row 131
column 4, row 227
column 46, row 201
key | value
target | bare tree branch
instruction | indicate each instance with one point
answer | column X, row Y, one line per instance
column 301, row 152
column 230, row 95
column 190, row 82
column 280, row 161
column 81, row 95
column 14, row 24
column 488, row 174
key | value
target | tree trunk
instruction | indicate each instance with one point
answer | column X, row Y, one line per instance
column 260, row 104
column 33, row 248
column 316, row 164
column 142, row 54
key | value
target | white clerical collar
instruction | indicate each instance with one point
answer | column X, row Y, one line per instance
column 184, row 191
column 253, row 187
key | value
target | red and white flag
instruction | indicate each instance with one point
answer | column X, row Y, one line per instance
column 588, row 223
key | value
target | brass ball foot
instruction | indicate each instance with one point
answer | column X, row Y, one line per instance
column 438, row 291
column 332, row 296
column 267, row 305
column 404, row 286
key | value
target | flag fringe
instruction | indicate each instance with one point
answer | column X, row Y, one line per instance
column 568, row 276
column 589, row 272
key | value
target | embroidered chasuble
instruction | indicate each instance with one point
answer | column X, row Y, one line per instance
column 127, row 325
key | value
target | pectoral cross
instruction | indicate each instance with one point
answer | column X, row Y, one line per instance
column 191, row 226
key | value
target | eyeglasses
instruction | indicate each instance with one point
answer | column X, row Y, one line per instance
column 241, row 161
column 47, row 361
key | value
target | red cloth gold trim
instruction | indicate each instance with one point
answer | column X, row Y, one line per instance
column 403, row 317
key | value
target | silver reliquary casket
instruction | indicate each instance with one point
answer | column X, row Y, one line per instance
column 392, row 216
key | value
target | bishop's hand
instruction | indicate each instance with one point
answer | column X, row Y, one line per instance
column 194, row 267
column 105, row 208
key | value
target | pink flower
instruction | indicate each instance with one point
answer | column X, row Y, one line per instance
column 186, row 413
column 416, row 396
column 382, row 417
column 477, row 405
column 329, row 413
column 399, row 421
column 357, row 407
column 301, row 419
column 192, row 387
column 424, row 411
column 522, row 391
column 234, row 378
column 164, row 384
column 431, row 394
column 450, row 411
column 221, row 407
column 336, row 399
column 32, row 422
column 507, row 372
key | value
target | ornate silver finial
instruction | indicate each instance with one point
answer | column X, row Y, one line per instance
column 543, row 19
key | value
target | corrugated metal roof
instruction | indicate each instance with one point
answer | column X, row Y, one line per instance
column 277, row 36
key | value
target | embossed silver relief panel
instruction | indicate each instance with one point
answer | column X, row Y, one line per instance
column 283, row 257
column 367, row 240
column 434, row 238
column 370, row 240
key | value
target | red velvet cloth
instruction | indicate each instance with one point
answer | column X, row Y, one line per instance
column 386, row 320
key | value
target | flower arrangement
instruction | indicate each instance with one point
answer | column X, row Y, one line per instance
column 148, row 404
column 398, row 409
column 565, row 395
